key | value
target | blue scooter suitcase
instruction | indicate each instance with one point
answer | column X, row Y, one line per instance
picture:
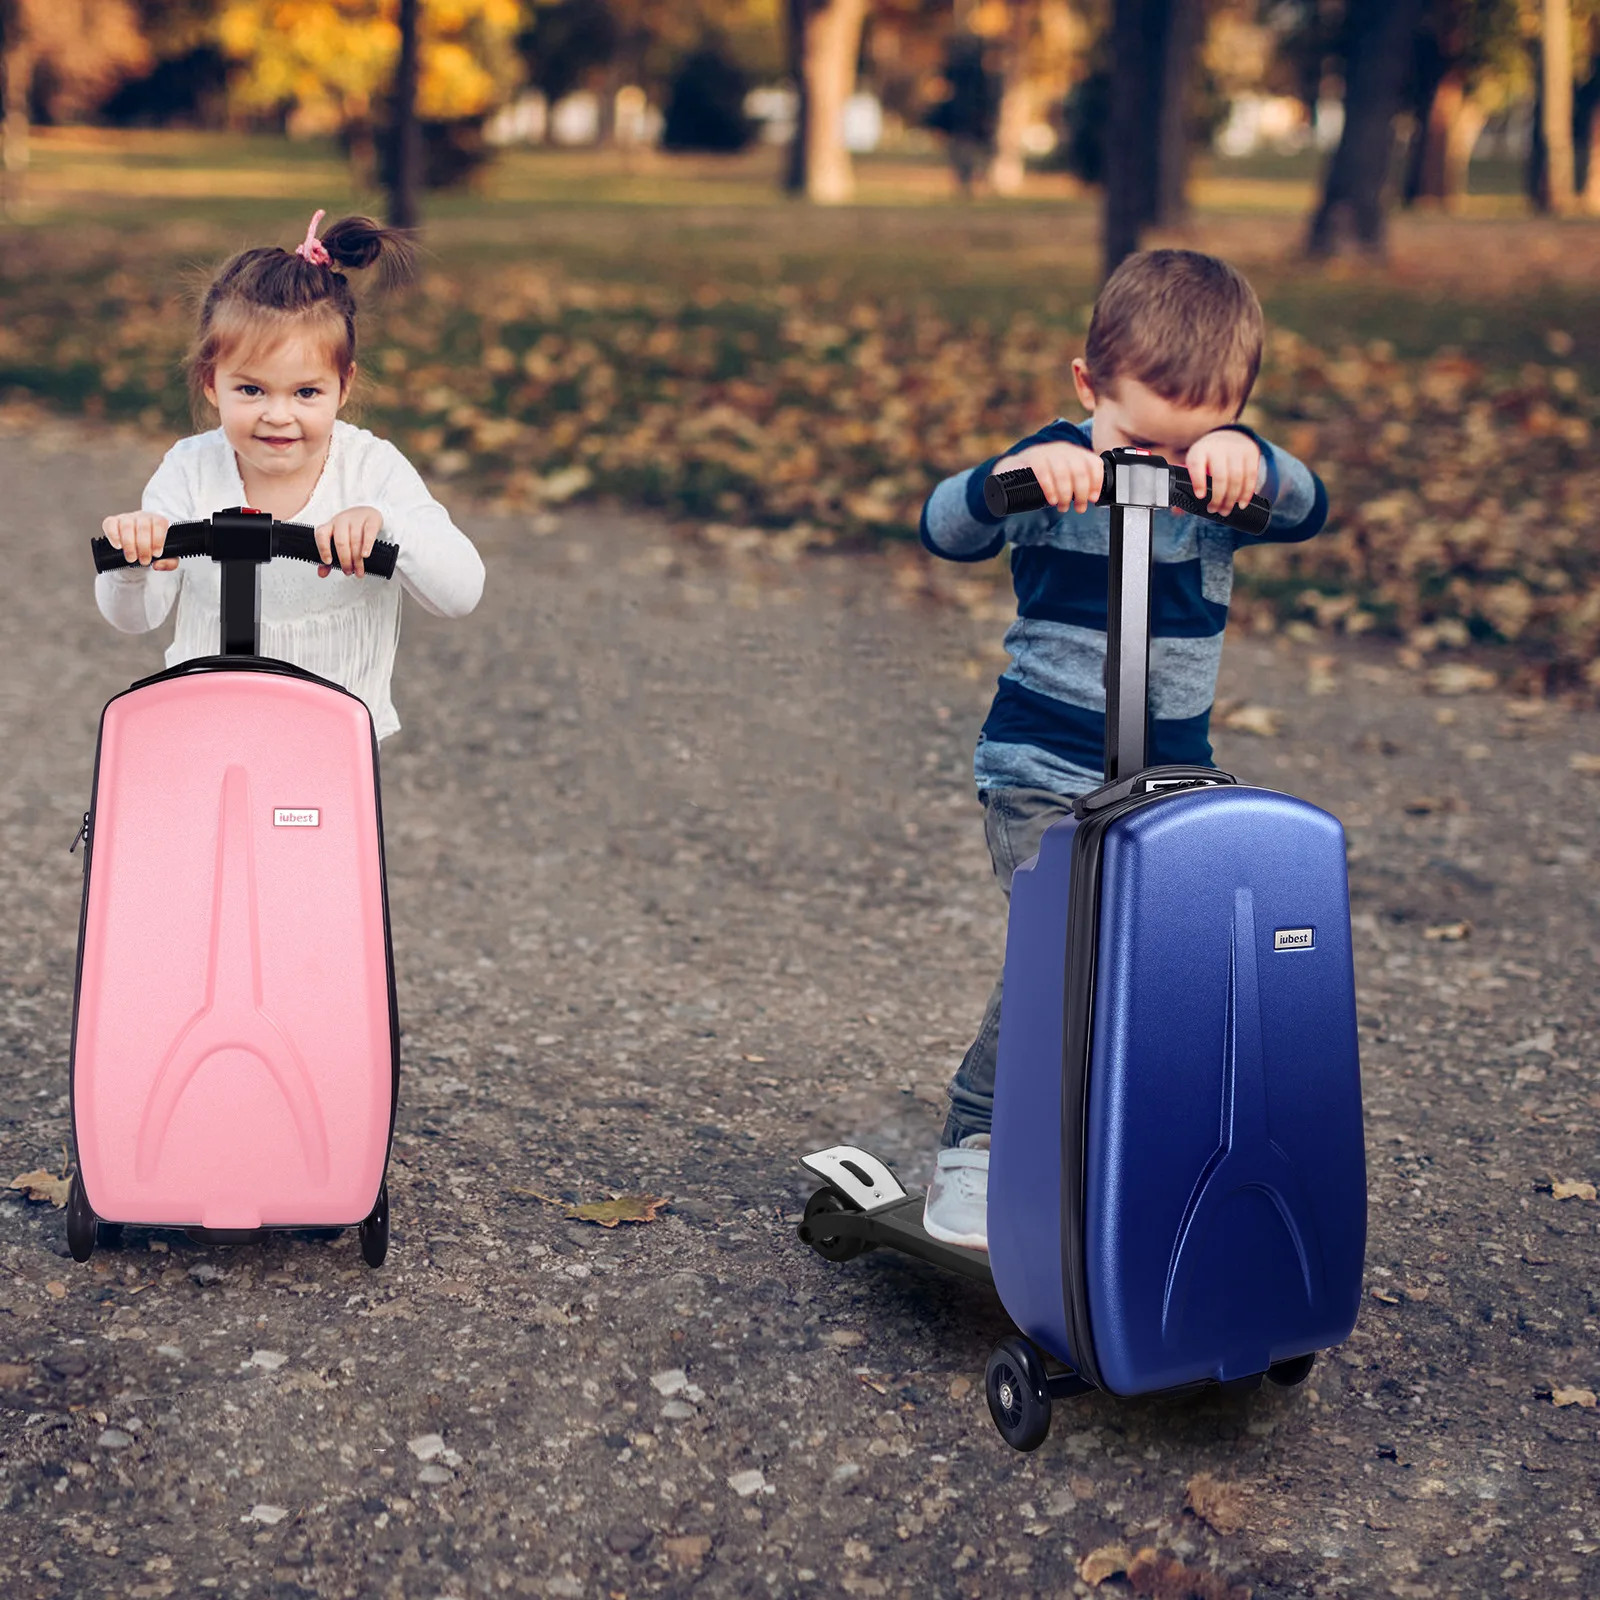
column 1177, row 1180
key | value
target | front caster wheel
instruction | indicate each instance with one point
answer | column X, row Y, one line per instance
column 1019, row 1398
column 81, row 1221
column 1286, row 1374
column 814, row 1229
column 375, row 1230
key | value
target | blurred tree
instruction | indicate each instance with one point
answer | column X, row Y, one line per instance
column 405, row 134
column 1555, row 192
column 1036, row 50
column 606, row 45
column 187, row 80
column 58, row 60
column 1377, row 53
column 968, row 113
column 824, row 38
column 705, row 108
column 1153, row 50
column 328, row 66
column 1468, row 62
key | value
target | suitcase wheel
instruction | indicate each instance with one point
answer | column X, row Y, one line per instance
column 814, row 1230
column 375, row 1230
column 81, row 1221
column 1018, row 1395
column 1286, row 1374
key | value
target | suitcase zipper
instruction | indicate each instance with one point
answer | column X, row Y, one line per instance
column 80, row 837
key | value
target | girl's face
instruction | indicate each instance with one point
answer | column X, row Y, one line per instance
column 278, row 405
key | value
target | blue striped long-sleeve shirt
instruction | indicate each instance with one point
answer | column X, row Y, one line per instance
column 1046, row 727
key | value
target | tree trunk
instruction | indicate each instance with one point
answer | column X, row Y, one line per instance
column 1009, row 165
column 1132, row 146
column 794, row 168
column 1377, row 54
column 1429, row 176
column 1586, row 143
column 1556, row 193
column 1461, row 140
column 1182, row 26
column 16, row 82
column 404, row 211
column 832, row 44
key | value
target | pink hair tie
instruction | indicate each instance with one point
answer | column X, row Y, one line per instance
column 313, row 249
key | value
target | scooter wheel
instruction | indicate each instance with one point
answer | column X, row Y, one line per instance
column 375, row 1230
column 1019, row 1400
column 814, row 1230
column 81, row 1221
column 1286, row 1374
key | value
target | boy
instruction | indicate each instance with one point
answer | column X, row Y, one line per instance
column 1173, row 350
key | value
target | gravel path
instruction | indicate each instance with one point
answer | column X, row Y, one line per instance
column 687, row 879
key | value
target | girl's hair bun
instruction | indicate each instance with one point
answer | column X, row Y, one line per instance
column 358, row 242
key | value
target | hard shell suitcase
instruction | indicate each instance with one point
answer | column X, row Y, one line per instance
column 235, row 1047
column 1177, row 1184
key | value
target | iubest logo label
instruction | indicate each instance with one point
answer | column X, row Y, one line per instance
column 296, row 817
column 1294, row 938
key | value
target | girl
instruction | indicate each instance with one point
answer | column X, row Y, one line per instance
column 275, row 359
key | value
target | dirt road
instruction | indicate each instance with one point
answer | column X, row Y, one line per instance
column 687, row 878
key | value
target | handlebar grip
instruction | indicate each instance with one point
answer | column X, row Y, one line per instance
column 297, row 542
column 289, row 539
column 1008, row 493
column 1251, row 518
column 183, row 539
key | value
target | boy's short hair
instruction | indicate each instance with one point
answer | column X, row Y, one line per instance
column 1184, row 324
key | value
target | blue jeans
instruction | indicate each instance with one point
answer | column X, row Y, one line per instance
column 1014, row 820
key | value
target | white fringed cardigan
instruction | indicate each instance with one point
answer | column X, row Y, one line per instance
column 341, row 628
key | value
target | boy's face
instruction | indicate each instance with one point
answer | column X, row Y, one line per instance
column 1128, row 412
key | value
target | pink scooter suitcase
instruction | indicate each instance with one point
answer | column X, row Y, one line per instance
column 235, row 1039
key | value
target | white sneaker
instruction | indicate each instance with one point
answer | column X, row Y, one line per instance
column 956, row 1211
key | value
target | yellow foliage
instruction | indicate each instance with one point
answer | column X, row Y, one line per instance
column 329, row 60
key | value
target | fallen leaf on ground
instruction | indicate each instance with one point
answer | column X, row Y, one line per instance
column 1540, row 1043
column 1456, row 677
column 1385, row 1298
column 1584, row 763
column 56, row 1289
column 1573, row 1397
column 688, row 1549
column 606, row 1213
column 13, row 1376
column 1222, row 1505
column 1107, row 1562
column 1158, row 1576
column 42, row 1185
column 1572, row 1189
column 1449, row 932
column 960, row 1388
column 1262, row 721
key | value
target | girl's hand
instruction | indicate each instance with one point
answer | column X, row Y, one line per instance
column 1232, row 460
column 347, row 541
column 1068, row 474
column 140, row 536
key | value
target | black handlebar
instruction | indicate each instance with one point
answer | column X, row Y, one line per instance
column 1007, row 494
column 243, row 535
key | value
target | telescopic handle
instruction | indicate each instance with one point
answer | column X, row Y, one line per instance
column 236, row 536
column 1008, row 494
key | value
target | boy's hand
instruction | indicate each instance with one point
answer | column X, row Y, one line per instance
column 140, row 536
column 1068, row 474
column 347, row 540
column 1232, row 461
